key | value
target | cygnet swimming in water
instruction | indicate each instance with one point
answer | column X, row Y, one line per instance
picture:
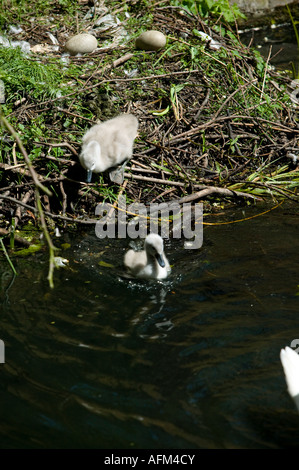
column 290, row 362
column 151, row 263
column 109, row 144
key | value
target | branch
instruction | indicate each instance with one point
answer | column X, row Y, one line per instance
column 214, row 190
column 52, row 248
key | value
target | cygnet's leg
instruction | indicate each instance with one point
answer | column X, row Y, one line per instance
column 117, row 175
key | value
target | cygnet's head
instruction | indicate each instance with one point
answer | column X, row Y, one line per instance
column 153, row 246
column 88, row 156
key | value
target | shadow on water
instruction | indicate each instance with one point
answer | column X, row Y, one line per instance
column 192, row 362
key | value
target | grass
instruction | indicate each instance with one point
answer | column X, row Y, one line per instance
column 209, row 9
column 294, row 23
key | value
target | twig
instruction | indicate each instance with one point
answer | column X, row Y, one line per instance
column 18, row 210
column 21, row 241
column 232, row 137
column 64, row 197
column 205, row 101
column 163, row 194
column 57, row 144
column 49, row 214
column 214, row 190
column 154, row 180
column 122, row 59
column 73, row 114
column 266, row 69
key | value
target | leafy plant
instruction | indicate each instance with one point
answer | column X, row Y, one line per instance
column 30, row 77
column 174, row 102
column 206, row 8
column 294, row 23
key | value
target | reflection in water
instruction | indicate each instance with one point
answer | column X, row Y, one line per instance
column 7, row 280
column 151, row 316
column 278, row 41
column 190, row 362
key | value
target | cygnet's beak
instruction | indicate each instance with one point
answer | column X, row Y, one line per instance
column 88, row 176
column 160, row 260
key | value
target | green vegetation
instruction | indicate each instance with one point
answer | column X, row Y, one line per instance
column 294, row 23
column 209, row 9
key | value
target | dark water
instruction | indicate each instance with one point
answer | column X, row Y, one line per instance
column 277, row 42
column 192, row 362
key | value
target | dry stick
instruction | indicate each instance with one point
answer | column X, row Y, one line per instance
column 211, row 121
column 14, row 154
column 266, row 69
column 53, row 216
column 214, row 190
column 139, row 163
column 16, row 168
column 143, row 170
column 64, row 198
column 73, row 114
column 122, row 59
column 19, row 240
column 18, row 210
column 62, row 144
column 205, row 101
column 154, row 180
column 163, row 194
column 222, row 191
column 233, row 116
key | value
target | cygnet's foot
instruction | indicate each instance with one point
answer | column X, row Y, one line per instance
column 117, row 175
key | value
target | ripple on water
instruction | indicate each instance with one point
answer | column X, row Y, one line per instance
column 189, row 362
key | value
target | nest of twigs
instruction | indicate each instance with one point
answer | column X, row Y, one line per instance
column 213, row 125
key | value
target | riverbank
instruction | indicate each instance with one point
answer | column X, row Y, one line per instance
column 216, row 125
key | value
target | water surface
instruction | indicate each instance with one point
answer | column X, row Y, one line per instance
column 191, row 362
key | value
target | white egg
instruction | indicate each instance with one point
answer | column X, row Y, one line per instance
column 81, row 44
column 151, row 40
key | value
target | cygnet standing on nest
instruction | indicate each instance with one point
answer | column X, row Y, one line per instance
column 109, row 144
column 151, row 263
column 290, row 363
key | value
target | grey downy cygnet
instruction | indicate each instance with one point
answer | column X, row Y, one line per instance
column 150, row 263
column 290, row 362
column 109, row 144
